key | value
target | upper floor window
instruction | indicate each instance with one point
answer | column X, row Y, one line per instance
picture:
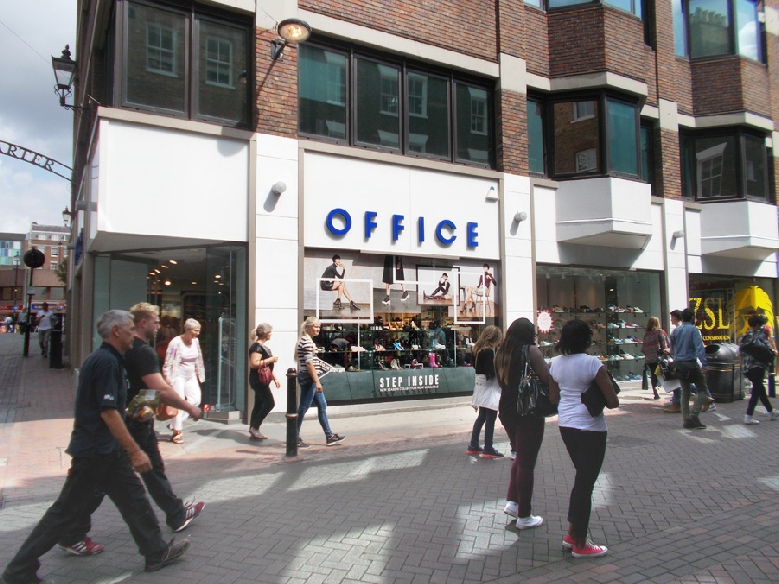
column 711, row 28
column 635, row 7
column 535, row 134
column 394, row 105
column 724, row 165
column 184, row 63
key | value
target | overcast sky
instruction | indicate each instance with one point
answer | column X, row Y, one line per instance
column 31, row 31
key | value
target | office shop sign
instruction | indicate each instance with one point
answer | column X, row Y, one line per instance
column 339, row 223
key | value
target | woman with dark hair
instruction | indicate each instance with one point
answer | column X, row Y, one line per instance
column 654, row 343
column 755, row 366
column 519, row 347
column 584, row 436
column 260, row 355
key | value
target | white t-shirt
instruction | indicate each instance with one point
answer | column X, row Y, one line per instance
column 574, row 373
column 44, row 324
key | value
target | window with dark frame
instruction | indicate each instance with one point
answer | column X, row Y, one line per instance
column 392, row 104
column 635, row 7
column 713, row 28
column 185, row 62
column 724, row 165
column 535, row 134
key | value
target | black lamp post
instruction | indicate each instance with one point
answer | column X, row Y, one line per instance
column 32, row 259
column 64, row 72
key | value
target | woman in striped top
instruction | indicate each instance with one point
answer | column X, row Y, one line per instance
column 310, row 371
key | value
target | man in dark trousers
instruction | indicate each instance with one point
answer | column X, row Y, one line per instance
column 687, row 350
column 105, row 459
column 143, row 372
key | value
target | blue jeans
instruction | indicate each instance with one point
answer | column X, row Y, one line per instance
column 486, row 419
column 307, row 396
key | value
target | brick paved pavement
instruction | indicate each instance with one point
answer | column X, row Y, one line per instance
column 399, row 501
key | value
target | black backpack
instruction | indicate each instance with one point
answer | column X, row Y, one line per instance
column 756, row 348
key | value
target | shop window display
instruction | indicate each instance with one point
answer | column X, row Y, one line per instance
column 616, row 305
column 391, row 319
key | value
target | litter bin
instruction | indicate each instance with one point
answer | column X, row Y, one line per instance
column 723, row 377
column 55, row 343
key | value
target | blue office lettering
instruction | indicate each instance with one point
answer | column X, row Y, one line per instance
column 397, row 226
column 471, row 234
column 421, row 224
column 440, row 235
column 346, row 218
column 370, row 223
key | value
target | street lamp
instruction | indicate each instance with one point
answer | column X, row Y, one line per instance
column 64, row 72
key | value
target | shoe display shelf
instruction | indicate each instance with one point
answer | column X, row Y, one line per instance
column 398, row 344
column 617, row 336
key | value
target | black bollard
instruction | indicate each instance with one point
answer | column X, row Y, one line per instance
column 292, row 412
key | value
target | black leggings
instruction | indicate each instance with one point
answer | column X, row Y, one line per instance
column 263, row 404
column 587, row 450
column 757, row 377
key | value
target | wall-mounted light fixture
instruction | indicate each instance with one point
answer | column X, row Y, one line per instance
column 678, row 234
column 492, row 194
column 291, row 30
column 64, row 71
column 278, row 188
column 67, row 215
column 520, row 216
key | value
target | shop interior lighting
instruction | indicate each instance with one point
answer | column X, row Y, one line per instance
column 174, row 262
column 168, row 282
column 291, row 30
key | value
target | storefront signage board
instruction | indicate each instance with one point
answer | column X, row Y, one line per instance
column 398, row 384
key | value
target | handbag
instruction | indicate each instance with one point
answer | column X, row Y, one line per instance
column 533, row 394
column 163, row 412
column 266, row 374
column 593, row 396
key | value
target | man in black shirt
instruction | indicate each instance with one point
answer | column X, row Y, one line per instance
column 143, row 372
column 105, row 457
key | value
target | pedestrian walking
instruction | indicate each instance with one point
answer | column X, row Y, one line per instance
column 519, row 347
column 486, row 393
column 143, row 372
column 45, row 318
column 105, row 459
column 654, row 344
column 690, row 366
column 185, row 371
column 584, row 436
column 260, row 356
column 311, row 369
column 755, row 364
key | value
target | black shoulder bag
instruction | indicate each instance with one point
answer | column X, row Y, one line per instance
column 532, row 393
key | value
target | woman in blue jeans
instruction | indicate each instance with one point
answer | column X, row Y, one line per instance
column 584, row 436
column 310, row 371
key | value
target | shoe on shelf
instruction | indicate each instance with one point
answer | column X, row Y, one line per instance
column 750, row 421
column 173, row 552
column 492, row 453
column 511, row 509
column 529, row 522
column 85, row 547
column 589, row 551
column 191, row 511
column 302, row 444
column 404, row 296
column 672, row 409
column 386, row 300
column 334, row 439
column 473, row 450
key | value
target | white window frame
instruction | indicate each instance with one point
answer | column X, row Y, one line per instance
column 417, row 95
column 586, row 160
column 479, row 113
column 217, row 65
column 53, row 265
column 54, row 251
column 390, row 90
column 585, row 113
column 335, row 82
column 163, row 55
column 706, row 162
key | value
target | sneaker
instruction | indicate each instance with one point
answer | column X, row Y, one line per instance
column 707, row 404
column 334, row 439
column 568, row 542
column 713, row 407
column 513, row 454
column 492, row 454
column 190, row 514
column 750, row 421
column 302, row 444
column 85, row 547
column 353, row 306
column 386, row 300
column 337, row 303
column 404, row 296
column 170, row 555
column 693, row 423
column 672, row 409
column 511, row 509
column 529, row 522
column 773, row 415
column 474, row 450
column 589, row 551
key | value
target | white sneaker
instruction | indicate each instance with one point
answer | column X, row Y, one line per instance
column 774, row 415
column 750, row 421
column 528, row 522
column 511, row 508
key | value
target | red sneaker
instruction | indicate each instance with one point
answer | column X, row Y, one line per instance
column 568, row 542
column 85, row 547
column 589, row 551
column 191, row 511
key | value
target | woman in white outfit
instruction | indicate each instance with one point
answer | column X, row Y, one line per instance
column 185, row 371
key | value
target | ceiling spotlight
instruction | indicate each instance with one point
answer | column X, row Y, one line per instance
column 174, row 262
column 168, row 282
